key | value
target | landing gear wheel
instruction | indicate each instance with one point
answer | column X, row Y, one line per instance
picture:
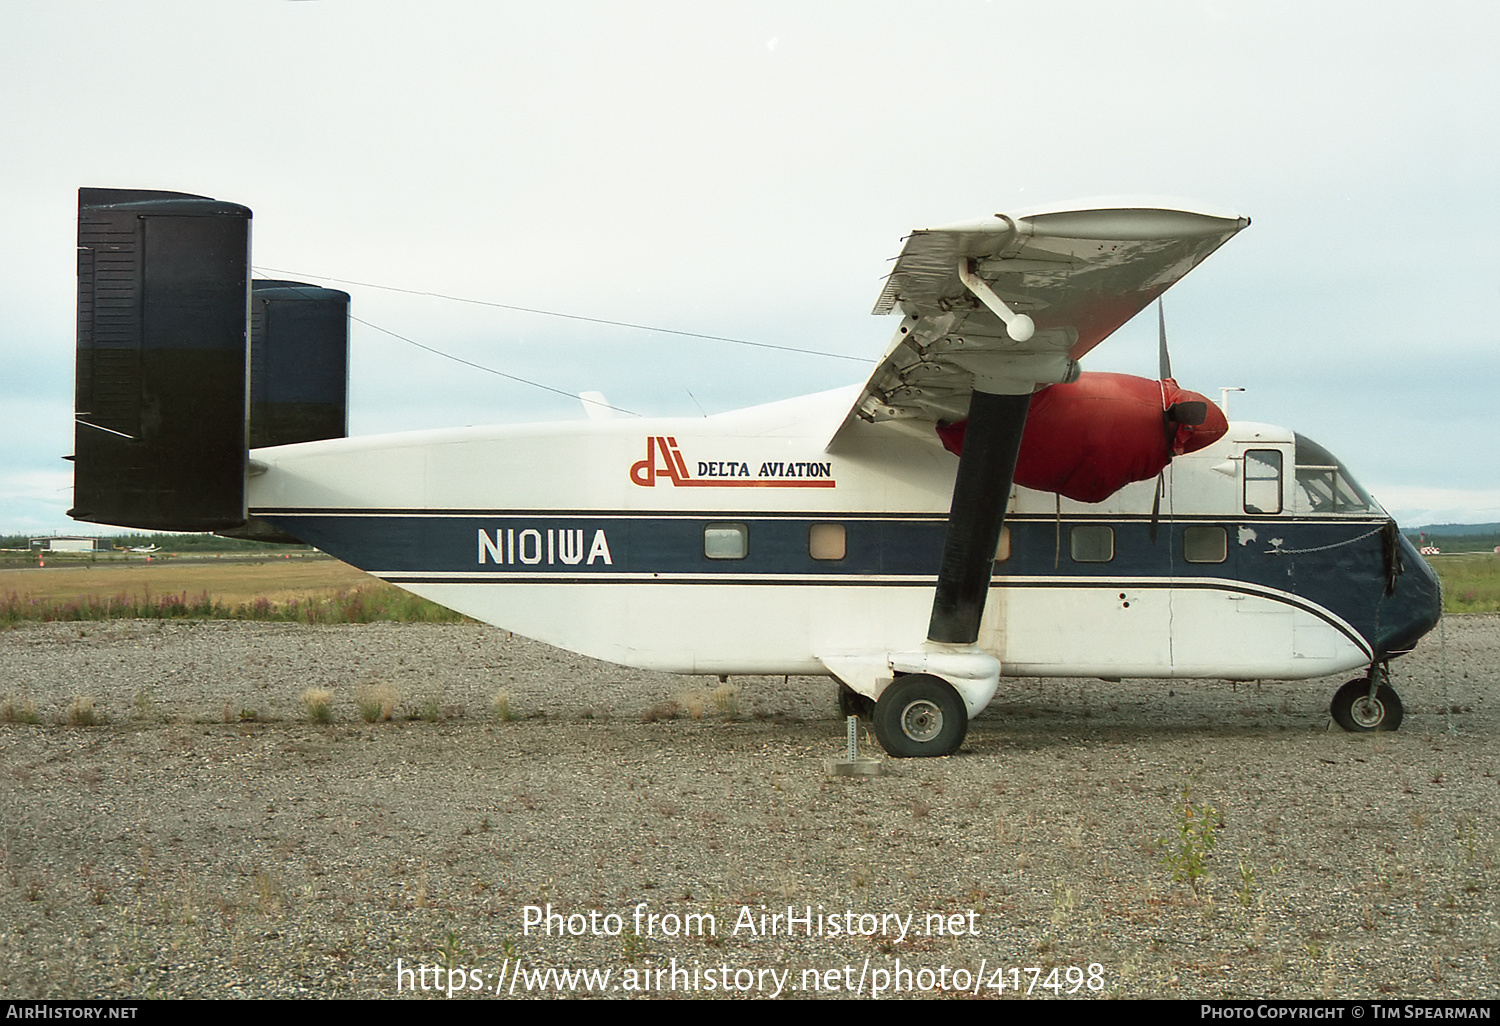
column 920, row 716
column 852, row 703
column 1353, row 709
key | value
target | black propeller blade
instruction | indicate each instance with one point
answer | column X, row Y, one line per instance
column 1164, row 362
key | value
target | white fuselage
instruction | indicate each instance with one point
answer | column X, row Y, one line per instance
column 741, row 543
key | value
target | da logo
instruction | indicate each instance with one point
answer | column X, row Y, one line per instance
column 644, row 472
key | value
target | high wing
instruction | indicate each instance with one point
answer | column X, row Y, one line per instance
column 1076, row 274
column 994, row 310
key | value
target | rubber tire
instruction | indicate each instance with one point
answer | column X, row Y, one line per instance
column 1352, row 710
column 920, row 716
column 852, row 703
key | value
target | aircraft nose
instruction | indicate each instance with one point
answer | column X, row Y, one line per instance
column 1413, row 609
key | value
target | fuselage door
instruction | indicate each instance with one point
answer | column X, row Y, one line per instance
column 1226, row 504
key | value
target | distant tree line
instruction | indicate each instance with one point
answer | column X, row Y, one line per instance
column 167, row 542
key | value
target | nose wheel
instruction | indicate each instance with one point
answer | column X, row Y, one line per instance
column 1356, row 711
column 920, row 716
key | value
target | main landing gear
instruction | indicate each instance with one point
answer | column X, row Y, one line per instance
column 1367, row 704
column 920, row 715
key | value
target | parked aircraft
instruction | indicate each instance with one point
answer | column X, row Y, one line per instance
column 978, row 507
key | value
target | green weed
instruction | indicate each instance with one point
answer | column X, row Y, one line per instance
column 1198, row 827
column 452, row 952
column 1246, row 893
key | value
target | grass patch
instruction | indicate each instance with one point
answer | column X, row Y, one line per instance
column 667, row 710
column 318, row 704
column 83, row 713
column 377, row 703
column 317, row 591
column 365, row 604
column 1471, row 583
column 726, row 701
column 23, row 710
column 694, row 703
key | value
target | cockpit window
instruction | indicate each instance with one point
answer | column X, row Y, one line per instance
column 1324, row 486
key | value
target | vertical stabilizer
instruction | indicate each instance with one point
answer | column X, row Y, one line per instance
column 163, row 290
column 299, row 363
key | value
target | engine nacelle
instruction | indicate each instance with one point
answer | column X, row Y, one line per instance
column 1090, row 438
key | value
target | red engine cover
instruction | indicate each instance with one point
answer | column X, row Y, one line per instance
column 1089, row 439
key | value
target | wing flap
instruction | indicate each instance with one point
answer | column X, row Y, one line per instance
column 1077, row 274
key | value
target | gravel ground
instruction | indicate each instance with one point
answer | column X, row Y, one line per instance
column 208, row 841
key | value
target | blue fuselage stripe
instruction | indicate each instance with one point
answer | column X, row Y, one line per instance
column 1313, row 565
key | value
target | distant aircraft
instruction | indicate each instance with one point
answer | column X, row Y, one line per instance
column 979, row 506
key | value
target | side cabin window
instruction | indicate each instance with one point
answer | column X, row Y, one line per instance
column 1205, row 544
column 726, row 541
column 1092, row 543
column 827, row 541
column 1262, row 480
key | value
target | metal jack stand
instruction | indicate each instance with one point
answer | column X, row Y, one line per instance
column 852, row 765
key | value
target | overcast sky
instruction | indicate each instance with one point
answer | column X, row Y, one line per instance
column 747, row 170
